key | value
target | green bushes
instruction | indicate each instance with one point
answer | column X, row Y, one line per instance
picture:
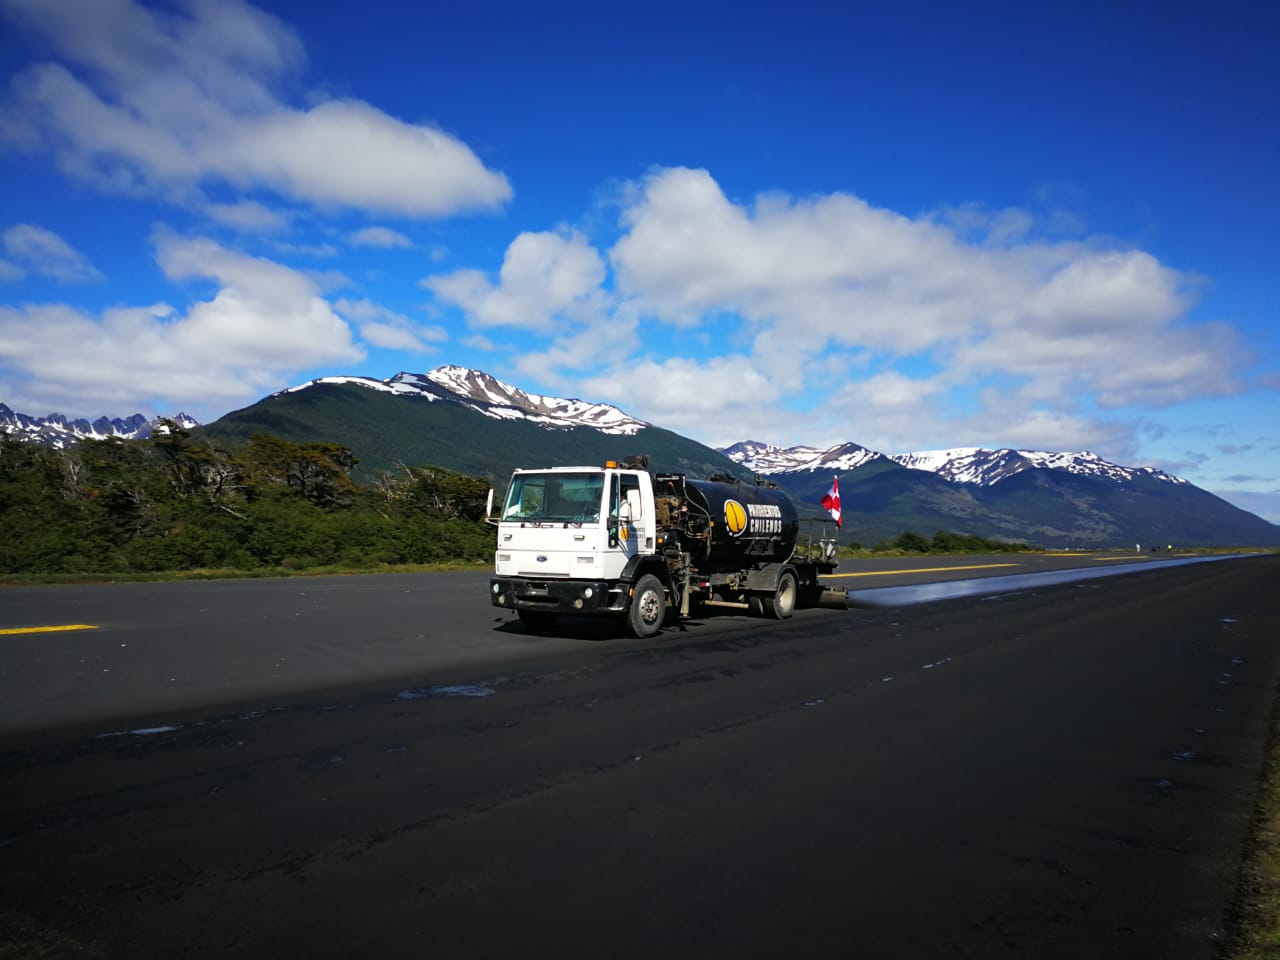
column 172, row 504
column 945, row 542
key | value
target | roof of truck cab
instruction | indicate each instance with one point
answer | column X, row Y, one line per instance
column 590, row 469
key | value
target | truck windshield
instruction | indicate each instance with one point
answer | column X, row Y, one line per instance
column 555, row 497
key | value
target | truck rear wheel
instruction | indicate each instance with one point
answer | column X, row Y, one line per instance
column 648, row 607
column 782, row 604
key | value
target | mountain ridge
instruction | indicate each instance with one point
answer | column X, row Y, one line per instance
column 59, row 432
column 466, row 420
column 492, row 397
column 978, row 465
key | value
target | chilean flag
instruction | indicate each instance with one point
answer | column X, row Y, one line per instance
column 831, row 500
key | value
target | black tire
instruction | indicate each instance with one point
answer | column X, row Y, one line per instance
column 536, row 619
column 755, row 605
column 648, row 607
column 783, row 602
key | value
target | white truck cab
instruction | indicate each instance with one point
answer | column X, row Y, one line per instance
column 566, row 535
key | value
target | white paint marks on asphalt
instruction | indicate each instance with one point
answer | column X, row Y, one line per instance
column 139, row 732
column 448, row 690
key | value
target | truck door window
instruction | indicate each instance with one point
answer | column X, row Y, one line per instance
column 629, row 485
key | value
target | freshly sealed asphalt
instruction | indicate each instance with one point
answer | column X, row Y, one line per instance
column 387, row 766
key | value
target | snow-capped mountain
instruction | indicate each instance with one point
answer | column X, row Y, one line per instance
column 988, row 467
column 493, row 398
column 57, row 431
column 961, row 465
column 766, row 459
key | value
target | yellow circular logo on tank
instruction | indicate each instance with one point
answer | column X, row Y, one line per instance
column 735, row 517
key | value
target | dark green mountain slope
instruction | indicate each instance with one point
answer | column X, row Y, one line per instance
column 385, row 430
column 1045, row 507
column 1050, row 508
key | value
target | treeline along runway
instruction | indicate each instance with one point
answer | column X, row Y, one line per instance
column 386, row 766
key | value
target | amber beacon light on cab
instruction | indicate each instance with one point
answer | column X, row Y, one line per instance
column 620, row 541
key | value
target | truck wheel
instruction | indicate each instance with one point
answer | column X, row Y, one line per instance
column 783, row 602
column 648, row 607
column 536, row 619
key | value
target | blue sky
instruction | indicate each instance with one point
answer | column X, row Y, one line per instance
column 912, row 226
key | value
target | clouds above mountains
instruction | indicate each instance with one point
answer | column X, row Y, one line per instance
column 175, row 102
column 216, row 226
column 830, row 289
column 264, row 318
column 34, row 249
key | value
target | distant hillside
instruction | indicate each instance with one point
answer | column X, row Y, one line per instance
column 468, row 421
column 1050, row 507
column 386, row 430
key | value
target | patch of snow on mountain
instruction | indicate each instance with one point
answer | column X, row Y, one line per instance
column 384, row 386
column 493, row 398
column 987, row 467
column 766, row 459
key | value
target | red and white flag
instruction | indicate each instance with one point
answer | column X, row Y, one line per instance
column 831, row 500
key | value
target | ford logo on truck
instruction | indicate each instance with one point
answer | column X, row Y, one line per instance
column 541, row 559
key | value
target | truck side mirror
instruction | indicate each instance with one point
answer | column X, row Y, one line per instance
column 635, row 505
column 624, row 512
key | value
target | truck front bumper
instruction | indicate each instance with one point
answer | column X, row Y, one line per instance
column 554, row 596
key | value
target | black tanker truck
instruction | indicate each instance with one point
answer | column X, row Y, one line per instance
column 618, row 540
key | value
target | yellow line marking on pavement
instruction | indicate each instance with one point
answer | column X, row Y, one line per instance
column 10, row 631
column 1118, row 558
column 881, row 573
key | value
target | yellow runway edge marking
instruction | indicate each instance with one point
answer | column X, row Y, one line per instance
column 881, row 573
column 10, row 631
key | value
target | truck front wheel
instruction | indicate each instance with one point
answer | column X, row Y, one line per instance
column 648, row 607
column 783, row 602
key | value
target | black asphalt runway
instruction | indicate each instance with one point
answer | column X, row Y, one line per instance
column 159, row 651
column 387, row 766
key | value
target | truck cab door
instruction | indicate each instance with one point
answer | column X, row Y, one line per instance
column 630, row 523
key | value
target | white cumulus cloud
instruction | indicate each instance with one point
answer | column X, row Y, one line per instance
column 546, row 278
column 385, row 328
column 760, row 309
column 383, row 237
column 1059, row 321
column 265, row 322
column 164, row 101
column 42, row 251
column 248, row 216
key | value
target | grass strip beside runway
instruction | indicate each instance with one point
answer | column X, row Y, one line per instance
column 881, row 573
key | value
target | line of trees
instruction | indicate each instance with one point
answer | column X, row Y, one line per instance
column 944, row 541
column 176, row 503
